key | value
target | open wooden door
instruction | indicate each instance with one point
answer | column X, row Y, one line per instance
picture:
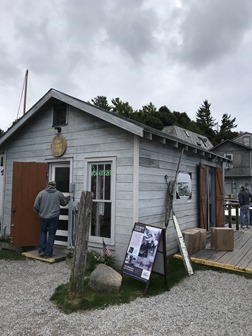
column 28, row 179
column 202, row 196
column 219, row 198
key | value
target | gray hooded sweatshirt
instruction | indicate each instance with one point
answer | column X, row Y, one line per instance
column 48, row 201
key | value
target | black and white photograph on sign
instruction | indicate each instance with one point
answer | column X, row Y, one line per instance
column 141, row 251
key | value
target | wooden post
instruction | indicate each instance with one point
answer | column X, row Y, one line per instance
column 169, row 196
column 229, row 215
column 171, row 190
column 81, row 243
column 237, row 216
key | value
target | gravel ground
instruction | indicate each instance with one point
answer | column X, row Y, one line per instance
column 206, row 303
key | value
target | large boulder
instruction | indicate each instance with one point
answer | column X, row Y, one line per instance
column 105, row 279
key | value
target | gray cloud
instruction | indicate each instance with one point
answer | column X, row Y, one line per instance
column 211, row 29
column 132, row 29
column 138, row 50
column 8, row 67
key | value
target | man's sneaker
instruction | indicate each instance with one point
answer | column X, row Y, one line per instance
column 248, row 227
column 41, row 254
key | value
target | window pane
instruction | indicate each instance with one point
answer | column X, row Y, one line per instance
column 107, row 181
column 101, row 181
column 59, row 114
column 246, row 141
column 62, row 178
column 101, row 220
column 100, row 184
column 93, row 179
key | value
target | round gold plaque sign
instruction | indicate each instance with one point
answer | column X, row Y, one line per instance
column 58, row 145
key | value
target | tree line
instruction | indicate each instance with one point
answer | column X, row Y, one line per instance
column 158, row 118
column 149, row 115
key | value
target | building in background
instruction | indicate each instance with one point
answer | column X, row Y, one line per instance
column 239, row 170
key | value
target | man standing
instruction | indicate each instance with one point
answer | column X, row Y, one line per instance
column 47, row 206
column 243, row 198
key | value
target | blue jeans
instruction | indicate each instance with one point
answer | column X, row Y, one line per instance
column 48, row 228
column 245, row 215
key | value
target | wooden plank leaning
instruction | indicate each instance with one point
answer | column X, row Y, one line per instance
column 171, row 189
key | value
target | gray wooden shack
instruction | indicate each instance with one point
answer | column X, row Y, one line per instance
column 122, row 162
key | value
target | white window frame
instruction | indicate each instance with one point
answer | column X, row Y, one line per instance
column 87, row 186
column 246, row 141
column 230, row 157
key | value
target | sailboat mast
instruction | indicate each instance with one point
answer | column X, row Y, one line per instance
column 25, row 90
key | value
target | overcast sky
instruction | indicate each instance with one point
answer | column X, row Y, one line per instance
column 175, row 53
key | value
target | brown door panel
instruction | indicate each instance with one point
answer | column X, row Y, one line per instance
column 202, row 196
column 28, row 179
column 219, row 198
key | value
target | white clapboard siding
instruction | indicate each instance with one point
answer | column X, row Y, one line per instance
column 155, row 163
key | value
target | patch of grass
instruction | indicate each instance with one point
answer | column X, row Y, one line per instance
column 68, row 303
column 130, row 290
column 10, row 255
column 176, row 271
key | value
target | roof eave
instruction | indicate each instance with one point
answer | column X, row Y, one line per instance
column 88, row 108
column 99, row 113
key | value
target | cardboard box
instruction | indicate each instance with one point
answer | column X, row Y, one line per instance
column 202, row 239
column 222, row 239
column 192, row 240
